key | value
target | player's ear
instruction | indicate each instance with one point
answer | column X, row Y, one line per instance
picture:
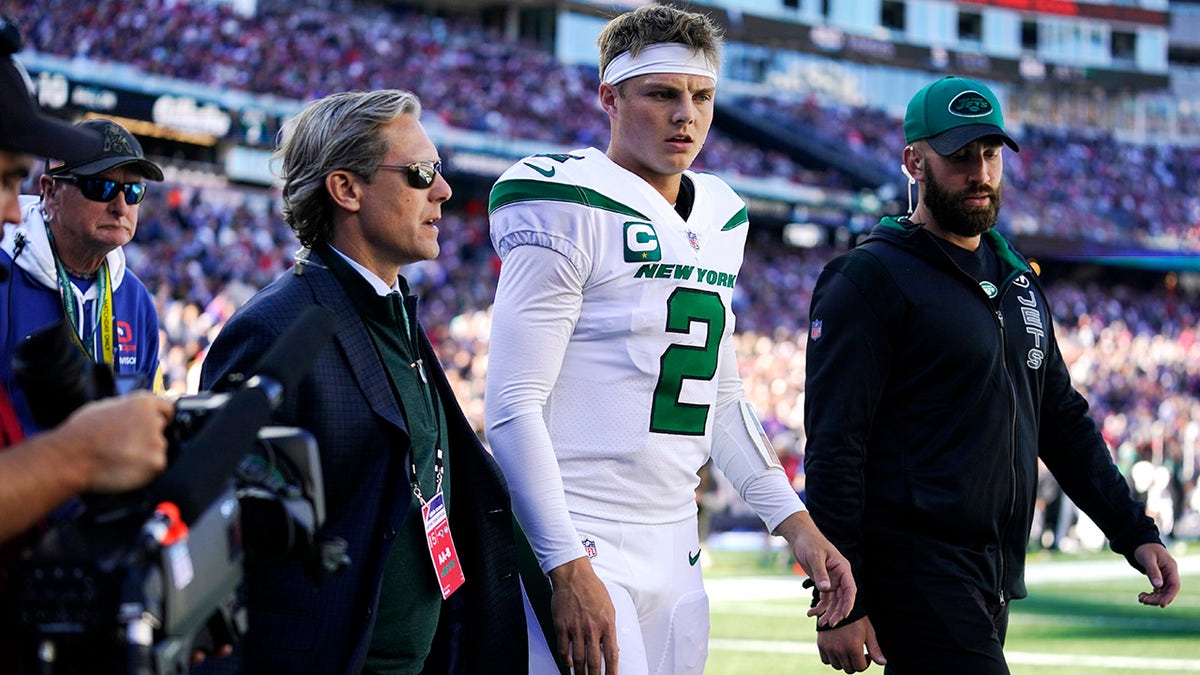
column 608, row 98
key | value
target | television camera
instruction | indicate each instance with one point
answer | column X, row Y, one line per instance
column 133, row 583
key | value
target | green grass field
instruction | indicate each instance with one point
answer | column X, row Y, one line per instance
column 1081, row 616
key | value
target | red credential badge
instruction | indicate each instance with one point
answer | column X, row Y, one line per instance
column 441, row 545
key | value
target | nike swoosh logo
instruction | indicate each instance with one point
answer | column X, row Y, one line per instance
column 692, row 559
column 545, row 172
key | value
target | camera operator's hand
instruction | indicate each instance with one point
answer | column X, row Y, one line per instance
column 120, row 441
column 111, row 445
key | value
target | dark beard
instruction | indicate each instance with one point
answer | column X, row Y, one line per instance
column 953, row 216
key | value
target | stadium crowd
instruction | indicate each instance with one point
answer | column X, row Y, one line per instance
column 464, row 72
column 1079, row 184
column 475, row 79
column 204, row 250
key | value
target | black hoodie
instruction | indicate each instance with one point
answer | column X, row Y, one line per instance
column 929, row 398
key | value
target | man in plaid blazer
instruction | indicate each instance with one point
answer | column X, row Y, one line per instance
column 363, row 191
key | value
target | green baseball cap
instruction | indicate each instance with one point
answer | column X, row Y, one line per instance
column 953, row 111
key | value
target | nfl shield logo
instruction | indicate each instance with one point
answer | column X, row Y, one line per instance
column 693, row 240
column 815, row 331
column 590, row 547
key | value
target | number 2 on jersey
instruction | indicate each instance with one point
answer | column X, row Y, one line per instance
column 685, row 307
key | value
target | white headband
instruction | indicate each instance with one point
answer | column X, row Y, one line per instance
column 665, row 57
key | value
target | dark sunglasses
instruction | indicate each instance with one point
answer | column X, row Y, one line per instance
column 104, row 190
column 420, row 174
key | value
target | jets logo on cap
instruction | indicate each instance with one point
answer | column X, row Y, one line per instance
column 970, row 104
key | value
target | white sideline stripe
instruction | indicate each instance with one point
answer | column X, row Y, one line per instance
column 762, row 646
column 1092, row 570
column 782, row 588
column 1163, row 622
column 1122, row 663
column 756, row 588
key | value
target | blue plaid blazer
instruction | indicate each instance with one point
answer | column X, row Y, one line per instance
column 346, row 401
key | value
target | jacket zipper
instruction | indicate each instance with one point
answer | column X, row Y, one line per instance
column 1012, row 496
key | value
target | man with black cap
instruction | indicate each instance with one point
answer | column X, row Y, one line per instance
column 934, row 386
column 112, row 445
column 67, row 260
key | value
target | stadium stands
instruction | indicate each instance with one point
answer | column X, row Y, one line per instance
column 1082, row 186
column 203, row 249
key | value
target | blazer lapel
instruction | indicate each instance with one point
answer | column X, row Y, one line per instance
column 352, row 337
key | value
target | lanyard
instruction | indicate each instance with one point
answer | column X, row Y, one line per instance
column 439, row 470
column 103, row 324
column 439, row 466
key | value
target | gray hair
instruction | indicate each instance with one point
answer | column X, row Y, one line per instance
column 338, row 132
column 654, row 24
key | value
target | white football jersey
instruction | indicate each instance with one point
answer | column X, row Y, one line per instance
column 630, row 415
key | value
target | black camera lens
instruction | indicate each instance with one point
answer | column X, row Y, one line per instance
column 56, row 375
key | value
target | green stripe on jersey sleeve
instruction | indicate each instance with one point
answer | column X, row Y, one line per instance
column 739, row 218
column 524, row 190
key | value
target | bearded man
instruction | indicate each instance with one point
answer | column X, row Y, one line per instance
column 934, row 386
